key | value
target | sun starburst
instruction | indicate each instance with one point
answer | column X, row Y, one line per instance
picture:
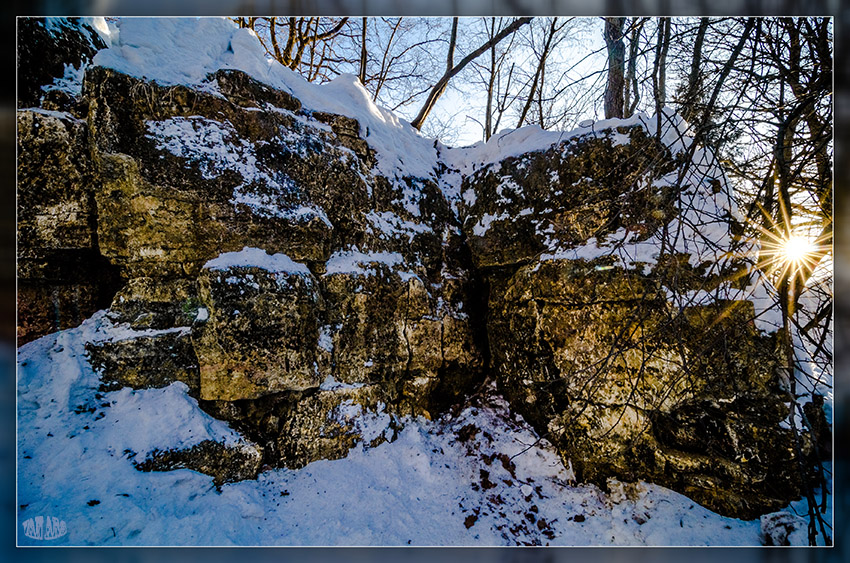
column 789, row 253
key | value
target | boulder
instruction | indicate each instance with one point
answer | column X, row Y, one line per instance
column 225, row 463
column 328, row 423
column 784, row 529
column 151, row 303
column 145, row 359
column 298, row 427
column 387, row 323
column 625, row 384
column 188, row 175
column 583, row 187
column 260, row 331
column 636, row 359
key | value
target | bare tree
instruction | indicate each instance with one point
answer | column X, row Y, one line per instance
column 454, row 69
column 769, row 115
column 401, row 50
column 539, row 73
column 302, row 44
column 496, row 76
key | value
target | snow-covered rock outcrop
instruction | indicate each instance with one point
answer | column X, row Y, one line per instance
column 278, row 259
column 622, row 317
column 293, row 254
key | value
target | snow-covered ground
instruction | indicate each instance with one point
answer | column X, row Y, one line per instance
column 478, row 477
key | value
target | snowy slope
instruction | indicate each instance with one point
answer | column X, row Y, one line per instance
column 481, row 477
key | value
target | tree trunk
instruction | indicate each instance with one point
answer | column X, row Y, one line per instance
column 488, row 115
column 616, row 61
column 689, row 104
column 658, row 71
column 662, row 61
column 631, row 86
column 363, row 54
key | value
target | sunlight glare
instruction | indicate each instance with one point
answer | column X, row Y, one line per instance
column 796, row 248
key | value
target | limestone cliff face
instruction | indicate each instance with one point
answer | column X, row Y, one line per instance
column 62, row 277
column 252, row 250
column 303, row 280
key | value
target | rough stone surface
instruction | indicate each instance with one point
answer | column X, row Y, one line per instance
column 62, row 278
column 261, row 333
column 150, row 303
column 226, row 464
column 186, row 176
column 581, row 188
column 623, row 382
column 146, row 361
column 300, row 427
column 164, row 215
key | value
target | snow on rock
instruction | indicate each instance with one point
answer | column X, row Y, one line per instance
column 356, row 262
column 52, row 57
column 79, row 444
column 186, row 51
column 215, row 147
column 183, row 51
column 64, row 115
column 388, row 223
column 71, row 82
column 104, row 29
column 483, row 224
column 701, row 230
column 784, row 528
column 330, row 384
column 532, row 138
column 124, row 331
column 250, row 257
